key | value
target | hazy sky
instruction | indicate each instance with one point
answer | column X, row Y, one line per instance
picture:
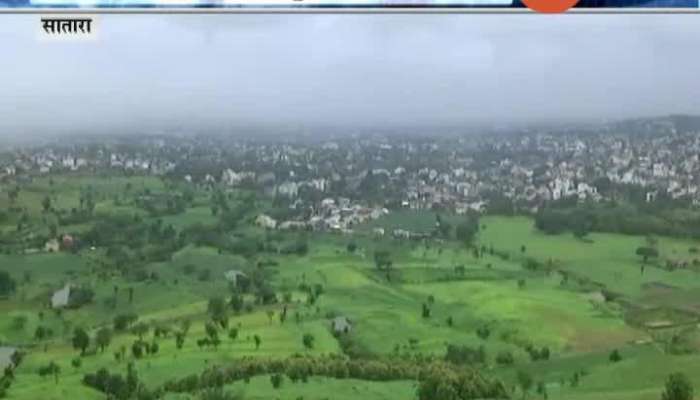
column 161, row 71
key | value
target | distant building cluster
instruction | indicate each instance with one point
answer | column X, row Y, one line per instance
column 335, row 184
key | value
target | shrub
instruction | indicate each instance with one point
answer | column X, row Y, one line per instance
column 505, row 358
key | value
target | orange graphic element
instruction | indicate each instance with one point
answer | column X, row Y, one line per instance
column 550, row 6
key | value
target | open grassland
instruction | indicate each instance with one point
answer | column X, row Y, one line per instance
column 606, row 258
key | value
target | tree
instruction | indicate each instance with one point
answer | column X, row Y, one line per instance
column 53, row 230
column 7, row 284
column 132, row 379
column 525, row 382
column 466, row 230
column 185, row 325
column 123, row 321
column 211, row 331
column 103, row 338
column 283, row 314
column 615, row 356
column 276, row 380
column 42, row 333
column 536, row 355
column 382, row 259
column 137, row 349
column 465, row 355
column 483, row 332
column 442, row 383
column 140, row 330
column 218, row 311
column 154, row 348
column 17, row 358
column 646, row 253
column 19, row 322
column 237, row 302
column 179, row 339
column 12, row 194
column 46, row 203
column 257, row 340
column 81, row 340
column 425, row 313
column 233, row 334
column 51, row 369
column 542, row 390
column 505, row 357
column 219, row 394
column 678, row 387
column 308, row 341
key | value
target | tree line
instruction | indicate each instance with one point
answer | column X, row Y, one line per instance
column 437, row 379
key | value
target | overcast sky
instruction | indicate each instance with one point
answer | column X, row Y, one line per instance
column 156, row 71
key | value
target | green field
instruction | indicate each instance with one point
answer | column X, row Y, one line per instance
column 520, row 307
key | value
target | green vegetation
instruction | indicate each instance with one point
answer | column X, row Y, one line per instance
column 170, row 299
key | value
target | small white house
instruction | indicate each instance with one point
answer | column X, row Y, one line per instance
column 61, row 298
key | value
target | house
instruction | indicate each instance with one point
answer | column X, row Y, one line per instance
column 61, row 298
column 401, row 234
column 288, row 189
column 232, row 275
column 6, row 355
column 341, row 325
column 293, row 225
column 265, row 221
column 233, row 178
column 651, row 196
column 68, row 241
column 52, row 246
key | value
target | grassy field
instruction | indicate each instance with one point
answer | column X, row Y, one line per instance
column 519, row 307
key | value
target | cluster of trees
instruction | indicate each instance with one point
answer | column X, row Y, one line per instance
column 465, row 355
column 131, row 241
column 677, row 387
column 553, row 221
column 434, row 376
column 50, row 369
column 382, row 259
column 441, row 382
column 299, row 247
column 119, row 387
column 467, row 229
column 616, row 219
column 505, row 357
column 80, row 296
column 538, row 354
column 81, row 340
column 122, row 322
